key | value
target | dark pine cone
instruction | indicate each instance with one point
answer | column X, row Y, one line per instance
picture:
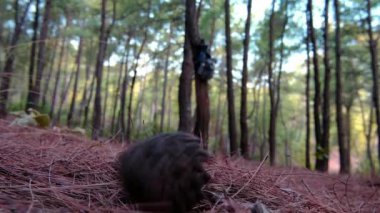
column 164, row 169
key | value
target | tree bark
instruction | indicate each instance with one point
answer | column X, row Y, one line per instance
column 33, row 54
column 10, row 57
column 185, row 88
column 41, row 59
column 123, row 93
column 317, row 98
column 344, row 166
column 230, row 89
column 106, row 96
column 323, row 160
column 99, row 74
column 75, row 88
column 243, row 110
column 273, row 111
column 375, row 74
column 307, row 94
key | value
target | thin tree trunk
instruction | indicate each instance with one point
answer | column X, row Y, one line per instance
column 10, row 57
column 169, row 121
column 155, row 96
column 129, row 119
column 307, row 94
column 317, row 98
column 117, row 94
column 139, row 108
column 166, row 70
column 230, row 89
column 63, row 95
column 123, row 93
column 106, row 96
column 41, row 61
column 375, row 74
column 33, row 54
column 243, row 110
column 73, row 98
column 273, row 111
column 50, row 73
column 86, row 84
column 87, row 107
column 278, row 83
column 344, row 166
column 59, row 71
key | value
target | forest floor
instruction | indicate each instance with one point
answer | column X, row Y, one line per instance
column 55, row 170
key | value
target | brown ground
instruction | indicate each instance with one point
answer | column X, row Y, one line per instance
column 57, row 171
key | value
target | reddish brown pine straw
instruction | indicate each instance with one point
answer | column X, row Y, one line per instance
column 49, row 170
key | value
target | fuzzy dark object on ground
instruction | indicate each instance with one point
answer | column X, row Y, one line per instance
column 166, row 168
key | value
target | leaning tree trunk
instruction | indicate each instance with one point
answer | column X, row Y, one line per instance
column 230, row 89
column 243, row 107
column 344, row 164
column 375, row 74
column 10, row 57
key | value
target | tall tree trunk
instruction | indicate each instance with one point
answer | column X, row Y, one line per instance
column 73, row 98
column 185, row 88
column 88, row 75
column 96, row 123
column 273, row 111
column 58, row 72
column 375, row 74
column 344, row 166
column 166, row 70
column 307, row 94
column 139, row 108
column 87, row 107
column 10, row 57
column 106, row 96
column 41, row 61
column 230, row 89
column 50, row 73
column 33, row 54
column 243, row 107
column 323, row 160
column 63, row 95
column 117, row 94
column 123, row 93
column 129, row 118
column 278, row 82
column 317, row 95
column 155, row 96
